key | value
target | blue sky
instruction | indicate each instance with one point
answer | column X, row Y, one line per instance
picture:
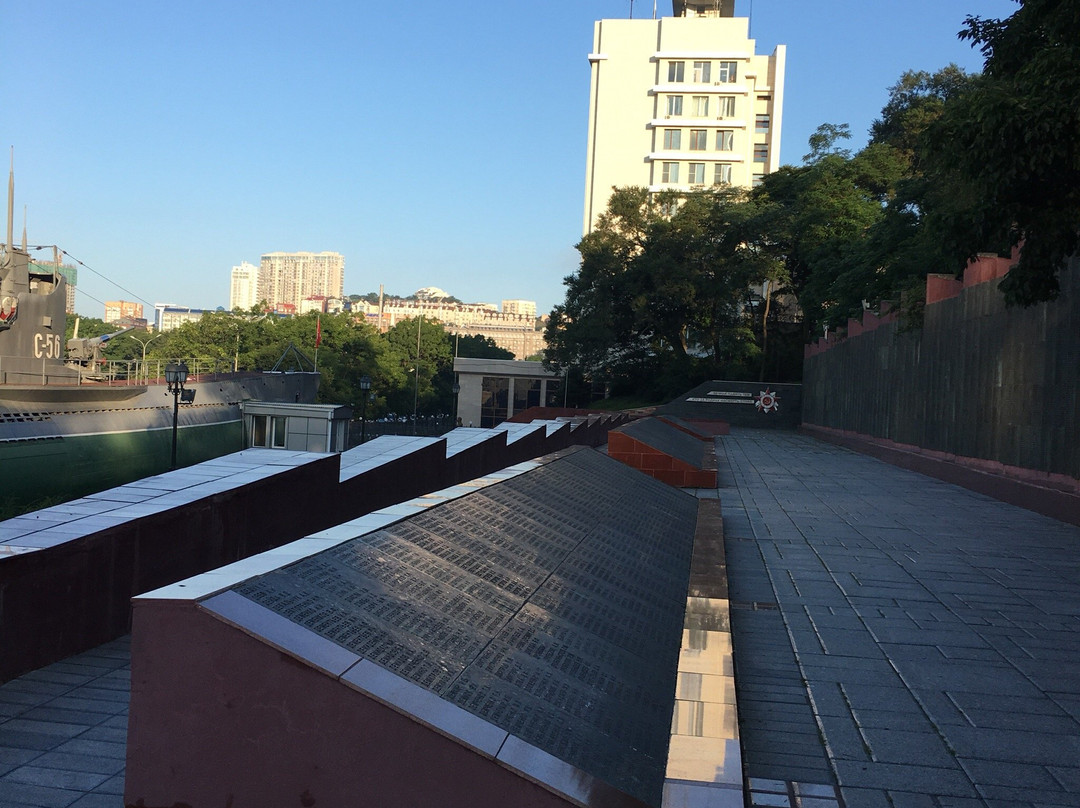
column 431, row 143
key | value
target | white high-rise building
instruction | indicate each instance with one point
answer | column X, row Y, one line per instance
column 244, row 290
column 289, row 278
column 523, row 307
column 680, row 103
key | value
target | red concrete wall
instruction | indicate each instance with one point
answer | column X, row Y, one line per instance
column 62, row 600
column 219, row 718
column 656, row 464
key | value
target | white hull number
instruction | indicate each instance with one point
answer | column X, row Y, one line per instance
column 47, row 346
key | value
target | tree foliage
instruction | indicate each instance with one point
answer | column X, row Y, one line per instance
column 1009, row 147
column 667, row 293
column 349, row 349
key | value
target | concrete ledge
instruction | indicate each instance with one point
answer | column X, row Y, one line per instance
column 704, row 765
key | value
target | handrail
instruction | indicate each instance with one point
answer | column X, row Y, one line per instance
column 122, row 372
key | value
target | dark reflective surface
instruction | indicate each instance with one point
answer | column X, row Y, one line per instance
column 551, row 605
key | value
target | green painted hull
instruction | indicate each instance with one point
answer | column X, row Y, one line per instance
column 59, row 469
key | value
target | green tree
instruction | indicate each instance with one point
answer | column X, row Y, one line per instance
column 668, row 293
column 425, row 378
column 814, row 219
column 476, row 346
column 1009, row 147
column 88, row 327
column 915, row 102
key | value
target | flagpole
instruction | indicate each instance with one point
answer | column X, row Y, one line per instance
column 318, row 339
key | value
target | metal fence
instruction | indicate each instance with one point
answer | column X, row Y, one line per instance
column 125, row 373
column 424, row 425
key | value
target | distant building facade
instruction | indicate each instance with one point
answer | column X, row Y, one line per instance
column 168, row 316
column 71, row 275
column 516, row 333
column 492, row 390
column 244, row 287
column 116, row 310
column 524, row 307
column 680, row 103
column 290, row 278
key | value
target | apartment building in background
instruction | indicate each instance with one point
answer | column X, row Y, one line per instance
column 525, row 307
column 244, row 287
column 680, row 103
column 117, row 310
column 513, row 331
column 70, row 273
column 169, row 316
column 290, row 278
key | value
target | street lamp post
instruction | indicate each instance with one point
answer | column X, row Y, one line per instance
column 146, row 373
column 175, row 376
column 456, row 389
column 365, row 385
column 416, row 389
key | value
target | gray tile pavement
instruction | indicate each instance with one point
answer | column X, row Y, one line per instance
column 63, row 732
column 898, row 642
column 927, row 635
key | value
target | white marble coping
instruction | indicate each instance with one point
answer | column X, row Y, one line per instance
column 82, row 517
column 704, row 765
column 465, row 437
column 214, row 581
column 380, row 451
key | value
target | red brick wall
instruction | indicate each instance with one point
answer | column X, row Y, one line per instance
column 656, row 464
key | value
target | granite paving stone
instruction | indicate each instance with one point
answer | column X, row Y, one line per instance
column 903, row 640
column 96, row 799
column 67, row 745
column 935, row 631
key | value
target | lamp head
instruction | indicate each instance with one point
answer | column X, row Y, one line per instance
column 176, row 375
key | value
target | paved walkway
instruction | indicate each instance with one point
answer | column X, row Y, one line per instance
column 63, row 732
column 913, row 642
column 898, row 642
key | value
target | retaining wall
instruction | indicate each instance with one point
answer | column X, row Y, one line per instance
column 980, row 384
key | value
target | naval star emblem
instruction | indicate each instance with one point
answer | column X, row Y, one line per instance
column 767, row 401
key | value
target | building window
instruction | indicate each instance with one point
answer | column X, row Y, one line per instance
column 672, row 139
column 761, row 153
column 701, row 105
column 761, row 123
column 279, row 431
column 526, row 394
column 698, row 139
column 757, row 179
column 554, row 393
column 675, row 72
column 725, row 139
column 727, row 72
column 727, row 106
column 674, row 105
column 258, row 430
column 702, row 72
column 697, row 174
column 494, row 398
column 722, row 174
column 670, row 173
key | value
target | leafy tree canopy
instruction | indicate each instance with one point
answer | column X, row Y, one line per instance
column 668, row 292
column 1009, row 147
